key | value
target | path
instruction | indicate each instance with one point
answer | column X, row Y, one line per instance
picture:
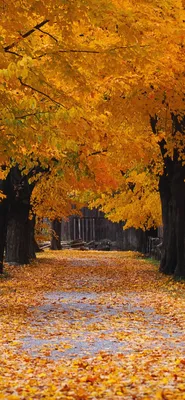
column 92, row 325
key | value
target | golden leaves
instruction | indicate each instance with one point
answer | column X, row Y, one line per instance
column 132, row 306
column 80, row 88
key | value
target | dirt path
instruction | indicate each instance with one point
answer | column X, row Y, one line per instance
column 92, row 325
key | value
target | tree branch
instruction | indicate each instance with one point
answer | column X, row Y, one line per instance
column 38, row 26
column 40, row 92
column 99, row 51
column 86, row 51
column 13, row 52
column 97, row 152
column 33, row 114
column 88, row 122
column 49, row 34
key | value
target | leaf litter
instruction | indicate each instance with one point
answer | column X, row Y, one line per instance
column 91, row 325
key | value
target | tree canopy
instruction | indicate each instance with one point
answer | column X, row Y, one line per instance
column 94, row 92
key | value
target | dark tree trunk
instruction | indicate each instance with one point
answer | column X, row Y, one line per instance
column 18, row 225
column 3, row 221
column 37, row 248
column 17, row 241
column 3, row 226
column 173, row 206
column 172, row 193
column 178, row 193
column 31, row 239
column 15, row 225
column 168, row 251
column 56, row 235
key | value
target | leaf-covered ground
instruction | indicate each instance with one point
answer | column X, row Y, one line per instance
column 91, row 325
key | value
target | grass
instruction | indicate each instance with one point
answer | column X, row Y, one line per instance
column 151, row 260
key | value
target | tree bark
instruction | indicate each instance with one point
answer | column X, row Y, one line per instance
column 178, row 193
column 37, row 248
column 31, row 239
column 56, row 235
column 17, row 240
column 168, row 251
column 3, row 221
column 173, row 212
column 15, row 225
column 172, row 193
column 18, row 224
column 3, row 227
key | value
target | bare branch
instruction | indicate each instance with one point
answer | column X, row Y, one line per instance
column 13, row 52
column 86, row 51
column 49, row 34
column 38, row 26
column 88, row 122
column 98, row 152
column 33, row 114
column 39, row 91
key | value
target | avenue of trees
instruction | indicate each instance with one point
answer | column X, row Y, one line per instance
column 92, row 111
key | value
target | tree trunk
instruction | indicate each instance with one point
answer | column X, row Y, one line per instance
column 31, row 239
column 17, row 241
column 180, row 237
column 18, row 229
column 37, row 248
column 172, row 192
column 56, row 235
column 178, row 193
column 168, row 251
column 3, row 226
column 3, row 221
column 14, row 213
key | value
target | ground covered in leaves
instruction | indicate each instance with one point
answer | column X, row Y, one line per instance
column 91, row 325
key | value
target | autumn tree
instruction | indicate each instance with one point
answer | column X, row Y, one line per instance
column 75, row 84
column 143, row 109
column 41, row 115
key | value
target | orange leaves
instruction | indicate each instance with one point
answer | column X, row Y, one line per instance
column 136, row 201
column 80, row 89
column 109, row 300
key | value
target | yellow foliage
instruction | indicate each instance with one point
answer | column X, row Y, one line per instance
column 78, row 84
column 89, row 325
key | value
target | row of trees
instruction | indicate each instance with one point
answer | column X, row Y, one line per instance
column 92, row 111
